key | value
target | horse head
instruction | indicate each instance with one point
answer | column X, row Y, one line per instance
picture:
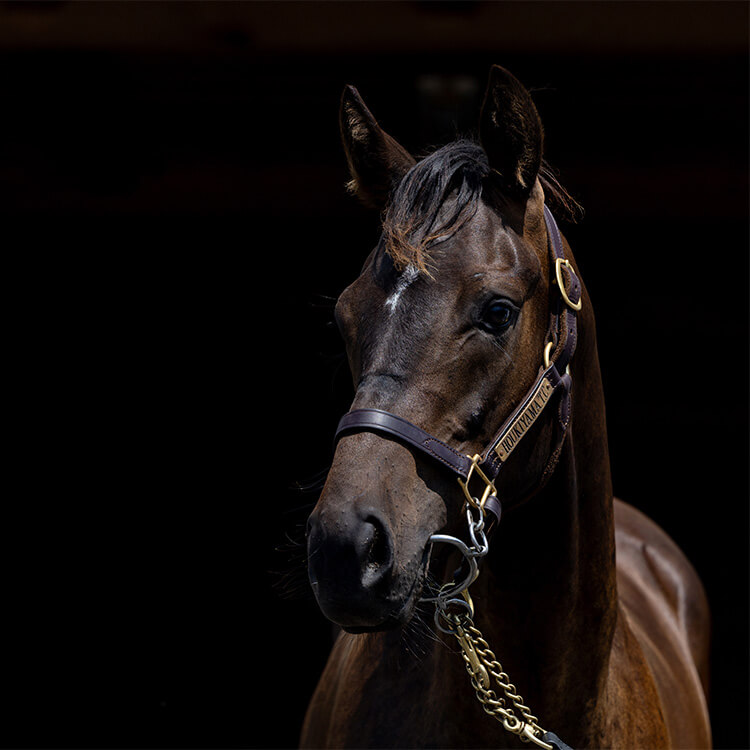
column 445, row 327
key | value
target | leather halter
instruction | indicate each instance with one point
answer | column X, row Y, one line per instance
column 553, row 378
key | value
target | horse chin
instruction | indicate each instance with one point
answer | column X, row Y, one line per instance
column 390, row 623
column 397, row 619
column 391, row 614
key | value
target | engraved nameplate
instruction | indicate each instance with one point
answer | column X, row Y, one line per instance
column 520, row 425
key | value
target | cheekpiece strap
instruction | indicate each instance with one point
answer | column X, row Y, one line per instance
column 554, row 376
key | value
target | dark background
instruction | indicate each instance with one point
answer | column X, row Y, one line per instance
column 174, row 229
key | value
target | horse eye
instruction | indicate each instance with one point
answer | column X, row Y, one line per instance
column 498, row 315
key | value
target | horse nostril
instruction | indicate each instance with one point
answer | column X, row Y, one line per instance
column 377, row 551
column 351, row 558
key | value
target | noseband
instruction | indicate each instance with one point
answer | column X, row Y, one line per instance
column 553, row 377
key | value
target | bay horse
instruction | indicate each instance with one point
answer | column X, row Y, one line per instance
column 472, row 348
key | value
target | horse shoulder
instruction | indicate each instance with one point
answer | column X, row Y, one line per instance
column 664, row 607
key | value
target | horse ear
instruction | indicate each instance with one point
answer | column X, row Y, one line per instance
column 511, row 132
column 376, row 161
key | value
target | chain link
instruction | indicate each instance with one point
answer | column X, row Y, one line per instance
column 496, row 670
column 503, row 708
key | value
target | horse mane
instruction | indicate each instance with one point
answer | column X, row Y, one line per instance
column 415, row 216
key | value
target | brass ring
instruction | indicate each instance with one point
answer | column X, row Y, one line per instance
column 559, row 262
column 547, row 350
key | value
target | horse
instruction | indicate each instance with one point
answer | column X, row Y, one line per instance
column 472, row 346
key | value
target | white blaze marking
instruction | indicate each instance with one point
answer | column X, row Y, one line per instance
column 404, row 281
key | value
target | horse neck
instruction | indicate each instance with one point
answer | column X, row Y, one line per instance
column 548, row 599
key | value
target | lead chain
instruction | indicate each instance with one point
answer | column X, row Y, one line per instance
column 479, row 658
column 481, row 647
column 474, row 649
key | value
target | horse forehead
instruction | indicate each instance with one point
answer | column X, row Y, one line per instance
column 485, row 247
column 489, row 243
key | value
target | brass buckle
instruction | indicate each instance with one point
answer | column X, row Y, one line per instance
column 489, row 485
column 559, row 263
column 547, row 350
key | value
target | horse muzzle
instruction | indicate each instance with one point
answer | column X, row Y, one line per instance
column 352, row 570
